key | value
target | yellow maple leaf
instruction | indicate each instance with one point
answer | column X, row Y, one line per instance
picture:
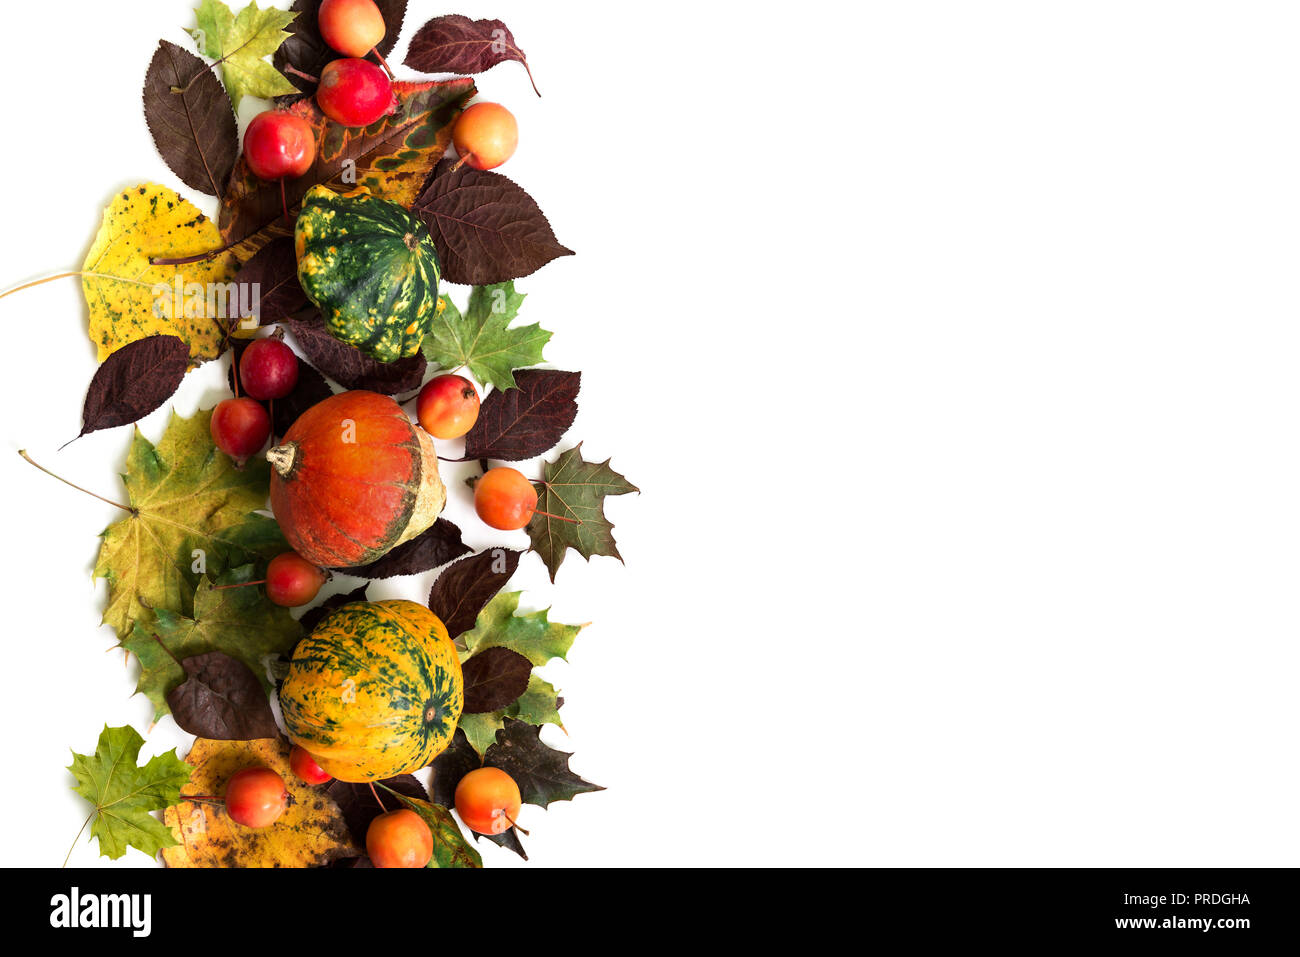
column 310, row 833
column 130, row 298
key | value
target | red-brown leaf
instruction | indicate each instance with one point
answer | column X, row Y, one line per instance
column 516, row 424
column 457, row 44
column 195, row 130
column 494, row 678
column 465, row 587
column 134, row 381
column 348, row 365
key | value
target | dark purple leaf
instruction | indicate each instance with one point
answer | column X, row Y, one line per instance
column 274, row 268
column 457, row 44
column 194, row 130
column 521, row 423
column 541, row 772
column 349, row 366
column 305, row 51
column 311, row 389
column 221, row 699
column 494, row 679
column 438, row 544
column 465, row 587
column 314, row 616
column 486, row 228
column 360, row 805
column 133, row 381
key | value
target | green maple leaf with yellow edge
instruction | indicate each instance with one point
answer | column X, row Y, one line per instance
column 240, row 622
column 192, row 513
column 124, row 794
column 535, row 637
column 240, row 43
column 481, row 340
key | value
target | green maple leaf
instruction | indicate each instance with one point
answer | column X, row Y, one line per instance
column 239, row 622
column 481, row 339
column 538, row 705
column 531, row 635
column 240, row 42
column 481, row 729
column 192, row 512
column 123, row 793
column 575, row 489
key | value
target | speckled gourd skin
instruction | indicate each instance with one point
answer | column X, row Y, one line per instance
column 375, row 691
column 371, row 268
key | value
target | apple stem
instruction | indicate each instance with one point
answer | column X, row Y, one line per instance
column 382, row 62
column 462, row 161
column 126, row 508
column 290, row 68
column 513, row 824
column 236, row 585
column 378, row 799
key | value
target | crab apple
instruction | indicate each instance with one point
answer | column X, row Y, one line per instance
column 256, row 797
column 485, row 135
column 305, row 766
column 279, row 145
column 504, row 498
column 268, row 369
column 487, row 800
column 291, row 580
column 240, row 427
column 399, row 839
column 352, row 27
column 447, row 407
column 355, row 92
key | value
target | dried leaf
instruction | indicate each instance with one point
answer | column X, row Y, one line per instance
column 129, row 298
column 123, row 793
column 192, row 506
column 542, row 773
column 273, row 270
column 526, row 421
column 457, row 44
column 494, row 679
column 438, row 544
column 450, row 849
column 221, row 699
column 391, row 157
column 463, row 588
column 240, row 622
column 486, row 228
column 134, row 381
column 306, row 52
column 348, row 365
column 575, row 489
column 310, row 833
column 481, row 339
column 194, row 129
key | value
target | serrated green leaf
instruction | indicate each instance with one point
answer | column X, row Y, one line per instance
column 531, row 635
column 571, row 509
column 538, row 705
column 450, row 849
column 123, row 793
column 194, row 515
column 481, row 339
column 239, row 622
column 481, row 729
column 241, row 42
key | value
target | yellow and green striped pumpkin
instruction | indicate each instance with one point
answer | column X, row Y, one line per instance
column 376, row 690
column 371, row 268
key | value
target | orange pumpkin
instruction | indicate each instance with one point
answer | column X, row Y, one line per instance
column 354, row 478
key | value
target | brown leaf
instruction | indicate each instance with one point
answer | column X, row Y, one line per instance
column 304, row 50
column 457, row 760
column 463, row 588
column 133, row 381
column 348, row 365
column 221, row 699
column 494, row 678
column 194, row 130
column 274, row 269
column 314, row 616
column 436, row 545
column 541, row 772
column 457, row 44
column 486, row 228
column 361, row 804
column 516, row 424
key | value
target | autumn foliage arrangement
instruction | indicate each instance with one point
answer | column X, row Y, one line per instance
column 344, row 211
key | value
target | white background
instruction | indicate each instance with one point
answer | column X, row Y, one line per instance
column 954, row 347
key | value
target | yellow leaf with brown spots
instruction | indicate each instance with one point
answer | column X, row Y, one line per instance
column 129, row 298
column 310, row 833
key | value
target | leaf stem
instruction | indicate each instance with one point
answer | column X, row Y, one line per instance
column 68, row 856
column 38, row 282
column 125, row 508
column 236, row 585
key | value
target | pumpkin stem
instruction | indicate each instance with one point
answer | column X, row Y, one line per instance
column 283, row 458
